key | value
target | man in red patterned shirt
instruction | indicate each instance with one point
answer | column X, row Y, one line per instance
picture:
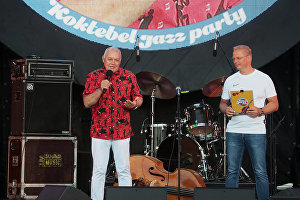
column 111, row 97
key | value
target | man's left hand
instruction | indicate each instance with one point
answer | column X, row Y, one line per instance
column 253, row 112
column 130, row 104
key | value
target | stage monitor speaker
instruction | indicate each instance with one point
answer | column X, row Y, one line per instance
column 284, row 198
column 41, row 107
column 287, row 194
column 202, row 193
column 53, row 192
column 135, row 193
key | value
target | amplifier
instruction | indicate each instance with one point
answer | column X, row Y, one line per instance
column 34, row 162
column 41, row 107
column 41, row 69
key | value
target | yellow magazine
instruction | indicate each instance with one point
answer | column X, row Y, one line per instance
column 241, row 101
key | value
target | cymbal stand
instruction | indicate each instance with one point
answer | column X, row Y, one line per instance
column 152, row 121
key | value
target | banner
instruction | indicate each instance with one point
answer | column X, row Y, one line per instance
column 184, row 34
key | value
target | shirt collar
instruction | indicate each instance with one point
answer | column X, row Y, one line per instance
column 116, row 73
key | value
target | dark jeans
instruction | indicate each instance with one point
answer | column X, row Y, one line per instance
column 256, row 146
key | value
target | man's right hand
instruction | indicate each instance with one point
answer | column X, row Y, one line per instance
column 105, row 84
column 226, row 108
column 229, row 111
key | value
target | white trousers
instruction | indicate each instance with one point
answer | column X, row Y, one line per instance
column 100, row 153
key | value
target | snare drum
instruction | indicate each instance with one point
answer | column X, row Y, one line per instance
column 199, row 118
column 160, row 132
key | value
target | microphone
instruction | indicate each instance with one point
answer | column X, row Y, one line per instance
column 109, row 74
column 178, row 89
column 138, row 58
column 215, row 44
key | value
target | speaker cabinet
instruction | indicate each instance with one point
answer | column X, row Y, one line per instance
column 41, row 107
column 53, row 192
column 202, row 193
column 34, row 162
column 135, row 193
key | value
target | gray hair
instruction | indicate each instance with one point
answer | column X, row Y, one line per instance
column 112, row 48
column 245, row 48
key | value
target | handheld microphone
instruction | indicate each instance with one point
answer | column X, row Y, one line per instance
column 138, row 58
column 109, row 74
column 178, row 89
column 215, row 44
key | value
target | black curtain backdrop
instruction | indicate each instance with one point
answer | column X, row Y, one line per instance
column 269, row 35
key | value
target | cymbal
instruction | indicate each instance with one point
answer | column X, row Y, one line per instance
column 214, row 88
column 164, row 89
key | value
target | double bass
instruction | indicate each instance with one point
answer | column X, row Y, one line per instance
column 149, row 171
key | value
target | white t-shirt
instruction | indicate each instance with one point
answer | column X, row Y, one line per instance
column 262, row 87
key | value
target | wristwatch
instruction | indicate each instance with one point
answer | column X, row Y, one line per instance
column 261, row 112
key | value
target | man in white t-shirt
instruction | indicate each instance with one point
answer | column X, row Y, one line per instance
column 248, row 129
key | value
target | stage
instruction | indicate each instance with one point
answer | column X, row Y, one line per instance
column 48, row 47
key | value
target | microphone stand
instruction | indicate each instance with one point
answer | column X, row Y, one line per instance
column 233, row 70
column 134, row 50
column 178, row 121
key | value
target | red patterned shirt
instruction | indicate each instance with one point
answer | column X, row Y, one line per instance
column 110, row 117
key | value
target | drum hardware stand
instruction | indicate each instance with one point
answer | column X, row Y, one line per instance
column 219, row 168
column 110, row 177
column 146, row 146
column 246, row 174
column 223, row 155
column 203, row 160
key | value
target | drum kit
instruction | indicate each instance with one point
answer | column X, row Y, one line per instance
column 202, row 139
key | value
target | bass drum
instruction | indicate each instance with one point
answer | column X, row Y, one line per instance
column 191, row 153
